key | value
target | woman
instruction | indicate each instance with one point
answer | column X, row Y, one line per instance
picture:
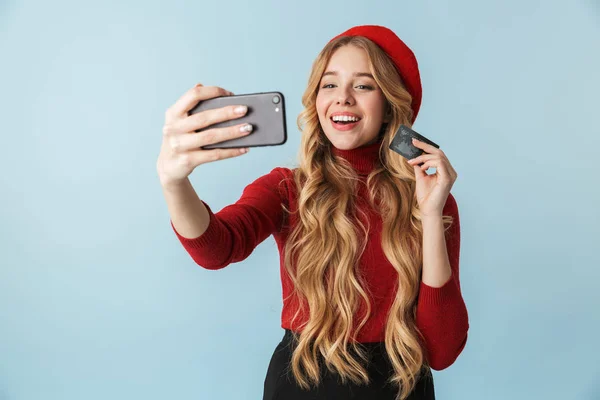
column 369, row 242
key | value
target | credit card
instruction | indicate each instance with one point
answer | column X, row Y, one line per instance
column 402, row 143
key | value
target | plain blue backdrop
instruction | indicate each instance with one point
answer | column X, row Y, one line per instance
column 98, row 299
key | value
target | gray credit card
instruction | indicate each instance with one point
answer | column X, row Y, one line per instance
column 402, row 143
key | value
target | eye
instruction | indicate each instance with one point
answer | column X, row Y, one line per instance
column 365, row 87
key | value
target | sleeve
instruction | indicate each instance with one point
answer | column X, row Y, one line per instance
column 442, row 316
column 235, row 231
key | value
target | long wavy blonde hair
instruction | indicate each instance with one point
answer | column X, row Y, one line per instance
column 326, row 243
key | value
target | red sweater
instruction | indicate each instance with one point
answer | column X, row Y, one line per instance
column 237, row 229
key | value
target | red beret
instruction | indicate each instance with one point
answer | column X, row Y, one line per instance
column 401, row 55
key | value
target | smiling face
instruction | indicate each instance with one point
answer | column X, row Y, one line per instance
column 349, row 103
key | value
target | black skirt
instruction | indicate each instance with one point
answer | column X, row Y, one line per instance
column 280, row 384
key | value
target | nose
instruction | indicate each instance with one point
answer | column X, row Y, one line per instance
column 344, row 97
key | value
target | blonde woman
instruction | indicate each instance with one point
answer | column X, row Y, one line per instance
column 369, row 242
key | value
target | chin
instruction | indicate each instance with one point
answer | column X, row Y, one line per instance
column 344, row 143
column 348, row 141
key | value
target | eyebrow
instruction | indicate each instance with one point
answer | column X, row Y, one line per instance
column 359, row 74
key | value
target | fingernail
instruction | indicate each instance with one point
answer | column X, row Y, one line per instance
column 241, row 109
column 246, row 128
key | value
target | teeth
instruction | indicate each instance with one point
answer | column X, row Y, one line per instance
column 344, row 118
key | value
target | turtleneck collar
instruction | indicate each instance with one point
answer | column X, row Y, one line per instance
column 363, row 159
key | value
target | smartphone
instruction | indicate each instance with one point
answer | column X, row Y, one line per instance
column 402, row 143
column 266, row 113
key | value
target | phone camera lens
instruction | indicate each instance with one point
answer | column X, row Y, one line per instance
column 276, row 99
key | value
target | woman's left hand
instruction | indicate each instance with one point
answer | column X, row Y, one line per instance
column 432, row 190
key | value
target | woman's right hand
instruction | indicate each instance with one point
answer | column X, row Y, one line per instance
column 180, row 152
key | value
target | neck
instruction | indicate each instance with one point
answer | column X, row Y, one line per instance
column 363, row 159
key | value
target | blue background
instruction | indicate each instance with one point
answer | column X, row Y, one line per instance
column 99, row 300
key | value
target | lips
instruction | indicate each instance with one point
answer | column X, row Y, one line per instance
column 344, row 126
column 344, row 114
